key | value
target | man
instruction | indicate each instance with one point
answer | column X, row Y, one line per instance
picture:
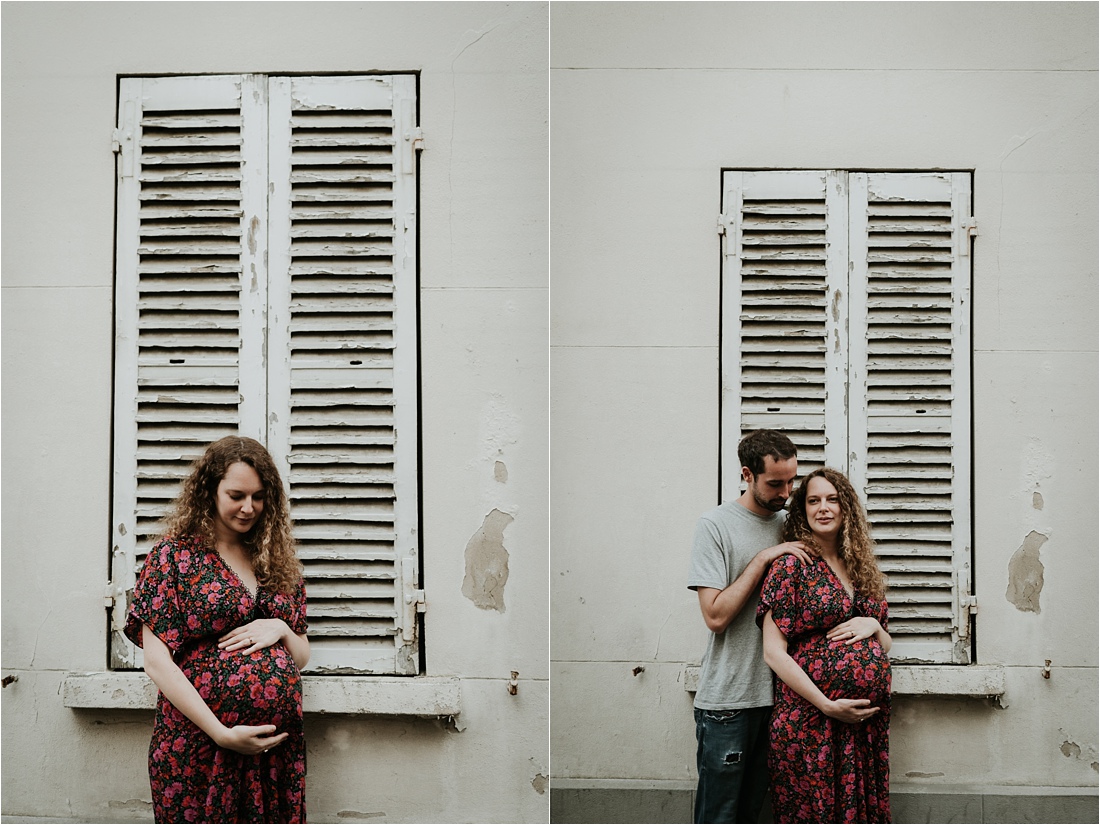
column 735, row 544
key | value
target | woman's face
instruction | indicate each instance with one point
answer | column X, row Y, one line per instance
column 823, row 512
column 239, row 500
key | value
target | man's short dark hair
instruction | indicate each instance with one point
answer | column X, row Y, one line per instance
column 760, row 443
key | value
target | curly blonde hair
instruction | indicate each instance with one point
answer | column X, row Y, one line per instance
column 269, row 543
column 854, row 543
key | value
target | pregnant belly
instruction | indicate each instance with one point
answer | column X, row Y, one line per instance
column 860, row 670
column 261, row 688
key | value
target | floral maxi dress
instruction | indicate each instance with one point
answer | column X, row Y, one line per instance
column 823, row 770
column 189, row 597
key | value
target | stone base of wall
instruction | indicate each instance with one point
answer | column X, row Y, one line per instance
column 634, row 803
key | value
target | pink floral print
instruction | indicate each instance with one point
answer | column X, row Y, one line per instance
column 824, row 770
column 189, row 598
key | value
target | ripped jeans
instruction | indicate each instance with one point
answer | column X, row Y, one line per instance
column 732, row 758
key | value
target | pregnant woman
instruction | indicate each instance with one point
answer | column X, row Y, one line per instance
column 220, row 611
column 825, row 637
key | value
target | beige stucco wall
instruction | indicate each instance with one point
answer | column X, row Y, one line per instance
column 650, row 102
column 483, row 229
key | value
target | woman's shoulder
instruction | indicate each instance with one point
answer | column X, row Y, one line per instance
column 173, row 545
column 792, row 565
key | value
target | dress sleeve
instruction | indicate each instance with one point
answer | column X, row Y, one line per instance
column 156, row 600
column 781, row 595
column 292, row 608
column 882, row 613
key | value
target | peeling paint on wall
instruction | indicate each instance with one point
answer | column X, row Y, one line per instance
column 1025, row 574
column 361, row 814
column 1071, row 750
column 487, row 563
column 500, row 472
column 139, row 807
column 1037, row 500
column 541, row 781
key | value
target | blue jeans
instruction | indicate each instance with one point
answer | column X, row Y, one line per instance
column 732, row 758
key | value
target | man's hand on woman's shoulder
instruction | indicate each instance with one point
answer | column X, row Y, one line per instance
column 792, row 548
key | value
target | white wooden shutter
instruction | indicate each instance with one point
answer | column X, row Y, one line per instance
column 784, row 314
column 319, row 360
column 343, row 371
column 910, row 416
column 189, row 298
column 845, row 324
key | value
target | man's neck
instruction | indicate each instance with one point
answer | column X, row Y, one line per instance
column 747, row 501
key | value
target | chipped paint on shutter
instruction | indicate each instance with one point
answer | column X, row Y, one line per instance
column 910, row 372
column 784, row 316
column 343, row 360
column 181, row 336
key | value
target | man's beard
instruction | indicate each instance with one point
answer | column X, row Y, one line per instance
column 775, row 505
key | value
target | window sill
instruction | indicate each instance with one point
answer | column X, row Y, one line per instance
column 428, row 696
column 977, row 681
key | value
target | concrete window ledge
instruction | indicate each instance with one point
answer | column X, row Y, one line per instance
column 428, row 696
column 978, row 681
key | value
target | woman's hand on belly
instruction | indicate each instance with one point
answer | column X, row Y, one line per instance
column 861, row 627
column 851, row 711
column 256, row 635
column 261, row 633
column 250, row 739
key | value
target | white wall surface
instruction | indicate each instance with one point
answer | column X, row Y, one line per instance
column 650, row 102
column 483, row 228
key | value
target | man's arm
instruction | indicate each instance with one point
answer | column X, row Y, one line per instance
column 720, row 607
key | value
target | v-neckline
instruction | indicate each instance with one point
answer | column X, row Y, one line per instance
column 851, row 595
column 237, row 575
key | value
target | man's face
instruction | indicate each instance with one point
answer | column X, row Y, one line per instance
column 771, row 489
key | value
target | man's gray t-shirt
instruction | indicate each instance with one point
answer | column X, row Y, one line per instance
column 734, row 674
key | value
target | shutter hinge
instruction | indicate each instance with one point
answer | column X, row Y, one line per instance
column 415, row 137
column 414, row 603
column 416, row 597
column 727, row 228
column 968, row 606
column 413, row 598
column 110, row 592
column 122, row 141
column 970, row 230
